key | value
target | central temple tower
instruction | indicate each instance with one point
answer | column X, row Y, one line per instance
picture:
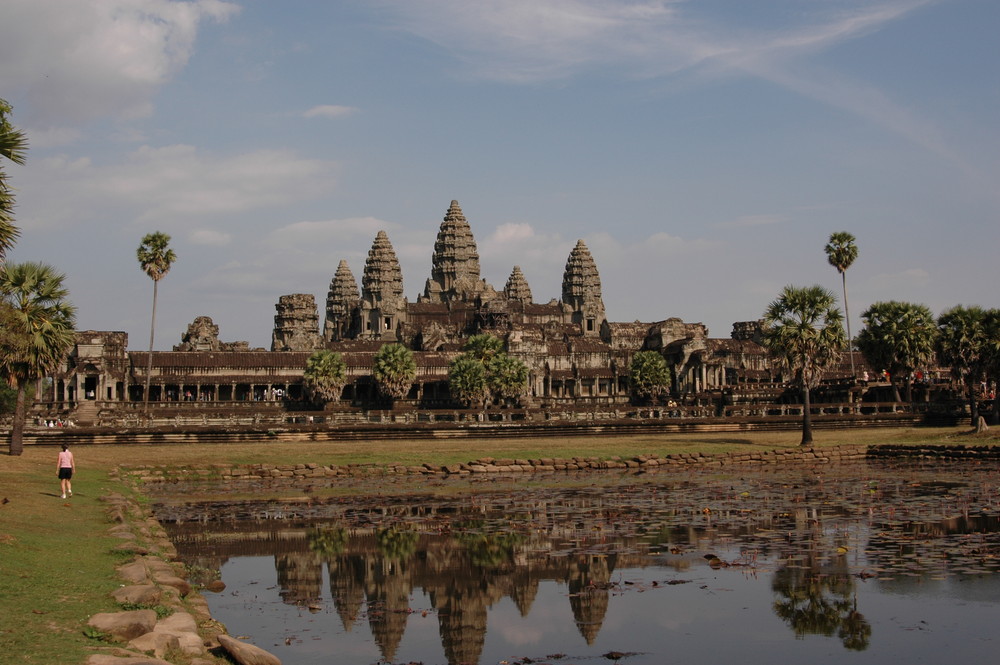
column 581, row 290
column 455, row 265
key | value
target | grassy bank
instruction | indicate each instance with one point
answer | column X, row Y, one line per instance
column 56, row 563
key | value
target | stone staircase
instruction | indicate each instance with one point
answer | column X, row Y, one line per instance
column 87, row 413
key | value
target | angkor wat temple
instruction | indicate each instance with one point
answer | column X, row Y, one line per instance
column 576, row 357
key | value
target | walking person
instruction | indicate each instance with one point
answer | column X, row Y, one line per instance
column 65, row 466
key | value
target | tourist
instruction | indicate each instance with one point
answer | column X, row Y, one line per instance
column 65, row 467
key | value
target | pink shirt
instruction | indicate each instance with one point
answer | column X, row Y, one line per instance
column 66, row 460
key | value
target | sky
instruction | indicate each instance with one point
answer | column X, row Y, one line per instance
column 704, row 150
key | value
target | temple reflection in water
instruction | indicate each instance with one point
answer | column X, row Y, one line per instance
column 810, row 536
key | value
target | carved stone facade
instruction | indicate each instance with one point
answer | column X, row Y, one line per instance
column 575, row 356
column 582, row 290
column 340, row 303
column 296, row 325
column 203, row 335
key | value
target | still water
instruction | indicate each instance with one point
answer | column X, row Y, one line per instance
column 857, row 563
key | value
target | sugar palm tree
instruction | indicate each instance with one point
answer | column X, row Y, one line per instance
column 467, row 380
column 898, row 337
column 13, row 145
column 804, row 329
column 961, row 345
column 155, row 258
column 325, row 376
column 394, row 370
column 507, row 378
column 39, row 332
column 991, row 355
column 841, row 253
column 483, row 347
column 649, row 376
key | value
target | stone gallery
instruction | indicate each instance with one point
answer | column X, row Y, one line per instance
column 575, row 356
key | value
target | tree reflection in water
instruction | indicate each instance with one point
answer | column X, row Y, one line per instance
column 817, row 597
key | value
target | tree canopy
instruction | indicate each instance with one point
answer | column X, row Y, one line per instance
column 804, row 330
column 467, row 380
column 13, row 147
column 485, row 372
column 394, row 370
column 898, row 337
column 649, row 376
column 325, row 376
column 961, row 345
column 39, row 331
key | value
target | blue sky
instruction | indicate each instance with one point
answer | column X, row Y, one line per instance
column 703, row 149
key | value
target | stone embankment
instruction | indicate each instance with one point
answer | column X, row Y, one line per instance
column 163, row 620
column 491, row 465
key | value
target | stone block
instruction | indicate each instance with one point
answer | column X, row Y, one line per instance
column 124, row 626
column 159, row 644
column 247, row 654
column 137, row 594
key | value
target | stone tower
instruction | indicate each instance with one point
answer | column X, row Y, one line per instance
column 341, row 300
column 455, row 265
column 296, row 325
column 382, row 307
column 581, row 290
column 517, row 287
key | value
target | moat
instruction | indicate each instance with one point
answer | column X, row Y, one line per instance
column 854, row 562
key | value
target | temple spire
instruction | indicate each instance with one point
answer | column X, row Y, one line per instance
column 383, row 307
column 517, row 286
column 383, row 278
column 341, row 300
column 455, row 264
column 582, row 290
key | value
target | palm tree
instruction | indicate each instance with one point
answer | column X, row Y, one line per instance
column 649, row 376
column 499, row 376
column 991, row 354
column 13, row 145
column 467, row 380
column 841, row 253
column 507, row 378
column 898, row 337
column 325, row 376
column 40, row 334
column 803, row 328
column 394, row 370
column 961, row 345
column 483, row 347
column 155, row 258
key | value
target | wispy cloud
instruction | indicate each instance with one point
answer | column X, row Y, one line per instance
column 754, row 220
column 175, row 186
column 530, row 42
column 210, row 237
column 329, row 111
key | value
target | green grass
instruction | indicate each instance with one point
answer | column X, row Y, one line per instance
column 56, row 568
column 56, row 563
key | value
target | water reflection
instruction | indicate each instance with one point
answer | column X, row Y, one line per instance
column 818, row 598
column 827, row 541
